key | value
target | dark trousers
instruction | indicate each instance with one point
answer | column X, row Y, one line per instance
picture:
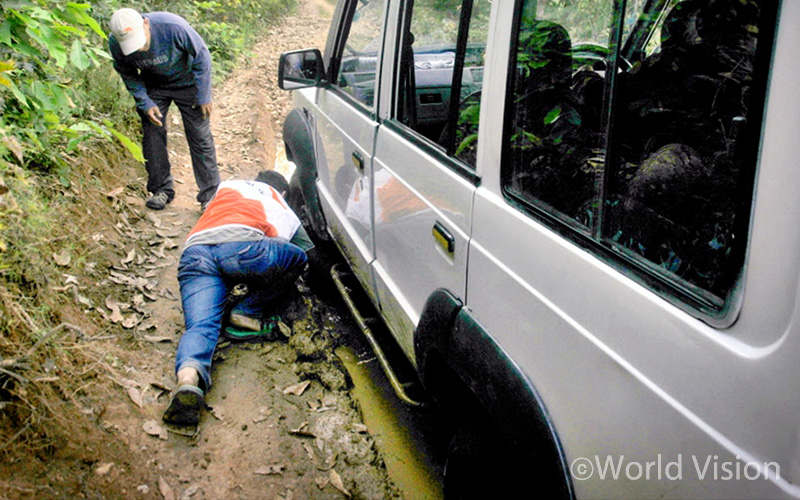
column 198, row 135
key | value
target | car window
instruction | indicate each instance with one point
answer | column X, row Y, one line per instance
column 555, row 118
column 359, row 60
column 441, row 73
column 651, row 164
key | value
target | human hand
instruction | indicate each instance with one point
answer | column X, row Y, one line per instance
column 206, row 109
column 154, row 115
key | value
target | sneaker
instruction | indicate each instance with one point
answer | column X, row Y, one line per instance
column 158, row 201
column 268, row 330
column 203, row 206
column 185, row 405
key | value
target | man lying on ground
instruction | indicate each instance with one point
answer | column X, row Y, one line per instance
column 247, row 235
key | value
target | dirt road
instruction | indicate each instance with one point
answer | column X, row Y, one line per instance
column 281, row 424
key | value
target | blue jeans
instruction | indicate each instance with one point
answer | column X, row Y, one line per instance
column 198, row 135
column 207, row 273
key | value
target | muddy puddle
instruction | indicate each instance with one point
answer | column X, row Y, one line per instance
column 399, row 430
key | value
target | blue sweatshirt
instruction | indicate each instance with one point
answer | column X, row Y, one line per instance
column 177, row 58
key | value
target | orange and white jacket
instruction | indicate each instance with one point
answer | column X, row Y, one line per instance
column 244, row 211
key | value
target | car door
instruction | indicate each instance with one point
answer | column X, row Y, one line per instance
column 346, row 124
column 423, row 181
column 609, row 237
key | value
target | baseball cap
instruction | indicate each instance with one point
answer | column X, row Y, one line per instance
column 127, row 25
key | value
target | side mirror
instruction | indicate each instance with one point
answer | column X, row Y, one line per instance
column 300, row 69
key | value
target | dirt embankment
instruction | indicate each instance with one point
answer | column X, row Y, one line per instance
column 281, row 423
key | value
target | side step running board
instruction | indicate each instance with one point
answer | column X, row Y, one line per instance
column 362, row 324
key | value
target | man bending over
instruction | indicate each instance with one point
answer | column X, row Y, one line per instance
column 247, row 235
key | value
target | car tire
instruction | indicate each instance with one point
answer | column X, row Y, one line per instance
column 480, row 464
column 324, row 254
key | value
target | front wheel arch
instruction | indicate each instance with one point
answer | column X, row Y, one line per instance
column 298, row 141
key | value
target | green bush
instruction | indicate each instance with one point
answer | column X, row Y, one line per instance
column 57, row 88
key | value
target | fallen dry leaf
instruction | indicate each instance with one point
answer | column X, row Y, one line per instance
column 115, row 192
column 152, row 428
column 302, row 431
column 284, row 328
column 165, row 489
column 337, row 483
column 154, row 219
column 83, row 300
column 160, row 385
column 330, row 462
column 309, row 450
column 297, row 389
column 103, row 469
column 136, row 397
column 190, row 491
column 216, row 413
column 130, row 257
column 62, row 259
column 156, row 339
column 130, row 321
column 116, row 316
column 270, row 469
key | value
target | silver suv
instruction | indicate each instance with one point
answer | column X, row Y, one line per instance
column 553, row 206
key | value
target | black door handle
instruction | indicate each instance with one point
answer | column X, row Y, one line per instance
column 444, row 237
column 358, row 161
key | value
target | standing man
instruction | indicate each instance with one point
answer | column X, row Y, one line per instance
column 247, row 235
column 162, row 59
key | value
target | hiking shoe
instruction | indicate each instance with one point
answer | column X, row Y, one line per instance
column 185, row 406
column 158, row 201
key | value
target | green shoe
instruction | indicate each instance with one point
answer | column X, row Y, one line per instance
column 269, row 331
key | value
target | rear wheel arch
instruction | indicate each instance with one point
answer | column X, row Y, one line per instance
column 468, row 373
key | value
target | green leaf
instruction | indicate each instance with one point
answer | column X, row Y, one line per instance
column 18, row 94
column 468, row 140
column 101, row 53
column 80, row 127
column 552, row 115
column 41, row 92
column 54, row 45
column 132, row 147
column 61, row 98
column 78, row 57
column 5, row 33
column 79, row 11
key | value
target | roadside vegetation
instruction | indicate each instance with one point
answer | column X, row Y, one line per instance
column 69, row 148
